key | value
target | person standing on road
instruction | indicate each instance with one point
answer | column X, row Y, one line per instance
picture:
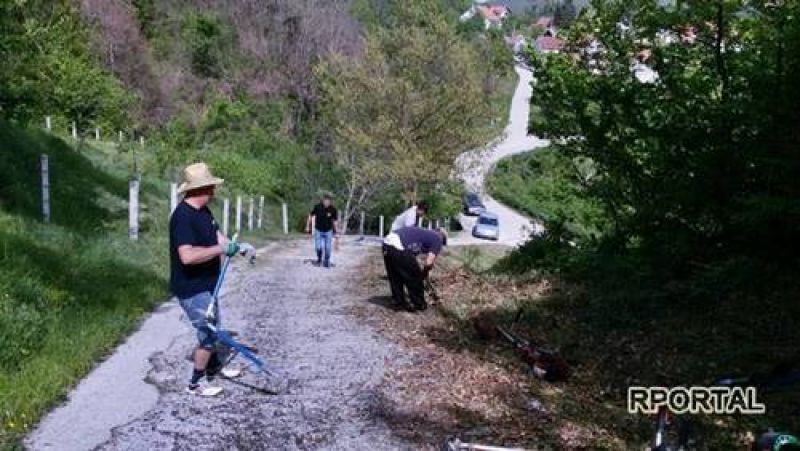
column 410, row 217
column 400, row 251
column 323, row 222
column 196, row 246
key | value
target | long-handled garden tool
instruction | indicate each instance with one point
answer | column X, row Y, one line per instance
column 228, row 347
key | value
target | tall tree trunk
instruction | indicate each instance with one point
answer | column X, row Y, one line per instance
column 722, row 69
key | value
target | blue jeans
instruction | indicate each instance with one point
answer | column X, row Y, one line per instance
column 322, row 242
column 195, row 308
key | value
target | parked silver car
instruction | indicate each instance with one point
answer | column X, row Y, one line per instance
column 487, row 226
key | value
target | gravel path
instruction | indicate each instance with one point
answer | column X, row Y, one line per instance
column 298, row 315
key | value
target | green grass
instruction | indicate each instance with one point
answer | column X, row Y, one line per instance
column 543, row 184
column 501, row 100
column 478, row 258
column 72, row 289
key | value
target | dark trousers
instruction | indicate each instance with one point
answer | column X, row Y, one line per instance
column 404, row 272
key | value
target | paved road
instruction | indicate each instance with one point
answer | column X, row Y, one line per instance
column 299, row 316
column 515, row 228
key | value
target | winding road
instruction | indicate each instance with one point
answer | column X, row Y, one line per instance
column 515, row 228
column 300, row 317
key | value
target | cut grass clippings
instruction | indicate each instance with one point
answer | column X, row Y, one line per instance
column 456, row 384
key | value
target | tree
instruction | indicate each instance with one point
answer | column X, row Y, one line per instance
column 695, row 167
column 402, row 112
column 209, row 41
column 60, row 78
column 565, row 13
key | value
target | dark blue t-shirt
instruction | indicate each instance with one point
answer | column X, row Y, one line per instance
column 420, row 241
column 195, row 227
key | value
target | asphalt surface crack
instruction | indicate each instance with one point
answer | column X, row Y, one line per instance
column 299, row 318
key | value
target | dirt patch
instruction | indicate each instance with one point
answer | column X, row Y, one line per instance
column 455, row 384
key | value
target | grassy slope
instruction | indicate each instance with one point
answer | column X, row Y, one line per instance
column 613, row 339
column 72, row 289
column 501, row 99
column 621, row 329
column 539, row 184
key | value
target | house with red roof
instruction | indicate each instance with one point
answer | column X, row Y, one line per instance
column 548, row 44
column 493, row 15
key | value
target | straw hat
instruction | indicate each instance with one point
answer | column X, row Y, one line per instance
column 196, row 176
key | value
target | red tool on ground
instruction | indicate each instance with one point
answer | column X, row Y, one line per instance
column 546, row 364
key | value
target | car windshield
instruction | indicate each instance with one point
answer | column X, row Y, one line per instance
column 487, row 221
column 473, row 200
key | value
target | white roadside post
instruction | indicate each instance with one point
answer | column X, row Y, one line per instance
column 45, row 188
column 96, row 134
column 74, row 130
column 173, row 197
column 380, row 226
column 48, row 123
column 250, row 215
column 361, row 224
column 226, row 206
column 285, row 214
column 238, row 213
column 119, row 134
column 133, row 210
column 141, row 141
column 260, row 210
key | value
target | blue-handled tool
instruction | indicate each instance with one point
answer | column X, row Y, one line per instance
column 226, row 337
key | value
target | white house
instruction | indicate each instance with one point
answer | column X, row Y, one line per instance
column 493, row 15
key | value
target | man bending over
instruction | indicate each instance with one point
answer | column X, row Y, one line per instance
column 400, row 251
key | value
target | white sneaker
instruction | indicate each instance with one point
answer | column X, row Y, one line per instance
column 204, row 390
column 231, row 373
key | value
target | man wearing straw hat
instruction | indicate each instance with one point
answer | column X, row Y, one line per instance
column 196, row 246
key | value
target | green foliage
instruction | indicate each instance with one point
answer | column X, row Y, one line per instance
column 242, row 140
column 692, row 168
column 547, row 185
column 209, row 42
column 59, row 78
column 70, row 289
column 404, row 110
column 146, row 13
column 471, row 27
column 564, row 14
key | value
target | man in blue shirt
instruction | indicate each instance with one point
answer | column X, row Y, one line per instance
column 196, row 245
column 400, row 250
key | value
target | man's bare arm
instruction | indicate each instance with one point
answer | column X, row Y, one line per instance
column 193, row 255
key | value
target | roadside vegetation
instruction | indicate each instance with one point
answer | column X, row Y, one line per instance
column 237, row 84
column 669, row 207
column 457, row 382
column 71, row 289
column 548, row 186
